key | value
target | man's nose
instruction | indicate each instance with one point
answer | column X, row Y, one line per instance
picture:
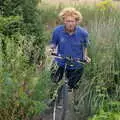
column 70, row 23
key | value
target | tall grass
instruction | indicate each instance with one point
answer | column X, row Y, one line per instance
column 101, row 80
column 100, row 83
column 21, row 51
column 21, row 84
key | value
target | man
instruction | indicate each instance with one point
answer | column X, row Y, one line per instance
column 69, row 39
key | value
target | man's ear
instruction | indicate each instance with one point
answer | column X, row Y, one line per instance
column 78, row 22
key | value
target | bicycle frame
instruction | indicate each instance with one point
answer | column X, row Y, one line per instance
column 65, row 86
column 64, row 93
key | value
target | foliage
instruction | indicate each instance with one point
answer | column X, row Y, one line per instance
column 106, row 116
column 22, row 42
column 100, row 83
column 105, row 5
column 21, row 49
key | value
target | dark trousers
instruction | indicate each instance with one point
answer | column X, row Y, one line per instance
column 73, row 75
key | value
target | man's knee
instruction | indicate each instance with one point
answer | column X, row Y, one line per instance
column 75, row 77
column 56, row 72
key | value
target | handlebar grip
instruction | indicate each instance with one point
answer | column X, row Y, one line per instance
column 54, row 54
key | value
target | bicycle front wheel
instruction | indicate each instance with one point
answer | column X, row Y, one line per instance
column 61, row 104
column 65, row 101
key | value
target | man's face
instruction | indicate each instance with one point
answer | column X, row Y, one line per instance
column 70, row 23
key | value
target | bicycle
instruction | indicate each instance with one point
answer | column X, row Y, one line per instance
column 61, row 94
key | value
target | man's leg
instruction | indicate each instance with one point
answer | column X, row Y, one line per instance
column 56, row 72
column 74, row 76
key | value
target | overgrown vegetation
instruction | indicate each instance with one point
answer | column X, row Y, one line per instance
column 100, row 84
column 25, row 29
column 22, row 44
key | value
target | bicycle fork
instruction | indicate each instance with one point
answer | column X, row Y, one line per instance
column 65, row 99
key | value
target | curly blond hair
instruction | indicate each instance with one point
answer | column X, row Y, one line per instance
column 70, row 12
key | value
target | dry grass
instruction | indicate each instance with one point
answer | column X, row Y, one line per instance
column 71, row 1
column 77, row 2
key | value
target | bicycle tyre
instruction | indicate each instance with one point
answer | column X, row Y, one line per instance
column 65, row 101
column 61, row 99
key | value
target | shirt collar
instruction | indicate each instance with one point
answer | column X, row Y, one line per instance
column 67, row 32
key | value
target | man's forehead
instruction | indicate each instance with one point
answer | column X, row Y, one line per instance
column 69, row 19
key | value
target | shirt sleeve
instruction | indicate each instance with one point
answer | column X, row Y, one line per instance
column 54, row 38
column 86, row 40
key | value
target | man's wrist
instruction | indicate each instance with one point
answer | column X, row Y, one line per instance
column 52, row 46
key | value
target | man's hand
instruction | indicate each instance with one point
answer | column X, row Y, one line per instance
column 52, row 49
column 88, row 60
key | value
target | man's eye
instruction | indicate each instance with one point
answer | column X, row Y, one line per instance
column 70, row 21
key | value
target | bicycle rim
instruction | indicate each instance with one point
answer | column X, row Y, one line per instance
column 57, row 111
column 54, row 111
column 65, row 101
column 60, row 113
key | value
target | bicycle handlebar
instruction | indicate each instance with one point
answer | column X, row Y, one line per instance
column 70, row 59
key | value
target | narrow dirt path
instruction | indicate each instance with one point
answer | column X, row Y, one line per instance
column 69, row 114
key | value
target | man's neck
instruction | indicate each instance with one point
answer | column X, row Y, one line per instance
column 69, row 31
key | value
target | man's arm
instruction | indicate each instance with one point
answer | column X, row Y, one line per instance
column 85, row 52
column 86, row 43
column 54, row 41
column 52, row 48
column 86, row 56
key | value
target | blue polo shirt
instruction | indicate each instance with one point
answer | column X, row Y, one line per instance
column 70, row 45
